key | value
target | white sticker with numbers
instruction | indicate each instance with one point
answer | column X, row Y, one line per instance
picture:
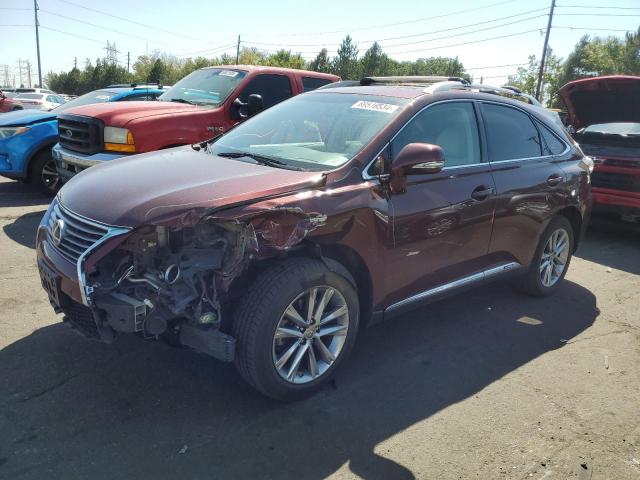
column 228, row 73
column 375, row 106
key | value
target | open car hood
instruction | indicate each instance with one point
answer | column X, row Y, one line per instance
column 602, row 100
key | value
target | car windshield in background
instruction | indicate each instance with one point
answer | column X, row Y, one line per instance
column 317, row 131
column 97, row 96
column 31, row 96
column 632, row 129
column 208, row 87
column 10, row 94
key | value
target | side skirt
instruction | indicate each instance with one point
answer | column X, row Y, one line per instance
column 447, row 289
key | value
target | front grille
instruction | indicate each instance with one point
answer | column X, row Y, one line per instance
column 77, row 234
column 615, row 181
column 81, row 319
column 80, row 134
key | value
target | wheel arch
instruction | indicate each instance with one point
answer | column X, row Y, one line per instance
column 35, row 152
column 572, row 214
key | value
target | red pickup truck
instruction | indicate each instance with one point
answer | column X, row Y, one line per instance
column 204, row 104
column 604, row 113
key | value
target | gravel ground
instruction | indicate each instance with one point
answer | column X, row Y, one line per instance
column 487, row 385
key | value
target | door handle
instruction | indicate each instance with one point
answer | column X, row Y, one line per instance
column 480, row 193
column 554, row 180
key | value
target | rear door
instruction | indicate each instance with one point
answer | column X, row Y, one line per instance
column 442, row 222
column 528, row 181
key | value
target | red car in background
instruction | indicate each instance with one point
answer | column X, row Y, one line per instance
column 605, row 113
column 8, row 102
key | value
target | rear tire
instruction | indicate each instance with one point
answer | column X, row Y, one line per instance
column 270, row 341
column 551, row 260
column 43, row 174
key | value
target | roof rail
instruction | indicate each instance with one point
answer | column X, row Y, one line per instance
column 412, row 80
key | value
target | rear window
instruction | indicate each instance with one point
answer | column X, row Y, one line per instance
column 311, row 83
column 551, row 145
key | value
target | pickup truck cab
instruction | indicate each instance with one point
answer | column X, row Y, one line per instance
column 204, row 104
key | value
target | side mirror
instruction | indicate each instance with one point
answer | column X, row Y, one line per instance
column 255, row 104
column 415, row 159
column 238, row 110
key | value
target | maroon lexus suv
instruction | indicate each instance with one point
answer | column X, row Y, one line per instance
column 271, row 245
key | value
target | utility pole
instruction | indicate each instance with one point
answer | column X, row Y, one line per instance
column 128, row 59
column 544, row 51
column 238, row 51
column 75, row 63
column 481, row 80
column 20, row 71
column 35, row 11
column 29, row 72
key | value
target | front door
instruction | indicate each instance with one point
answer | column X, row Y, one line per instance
column 442, row 222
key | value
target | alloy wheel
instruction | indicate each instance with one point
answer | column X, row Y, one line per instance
column 49, row 177
column 310, row 335
column 554, row 257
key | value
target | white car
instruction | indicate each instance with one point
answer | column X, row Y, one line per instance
column 40, row 101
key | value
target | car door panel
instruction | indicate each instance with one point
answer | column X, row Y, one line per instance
column 441, row 232
column 528, row 189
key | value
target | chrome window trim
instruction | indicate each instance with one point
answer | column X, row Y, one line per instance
column 491, row 272
column 366, row 176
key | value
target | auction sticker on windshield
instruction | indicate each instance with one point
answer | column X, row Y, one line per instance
column 375, row 106
column 228, row 73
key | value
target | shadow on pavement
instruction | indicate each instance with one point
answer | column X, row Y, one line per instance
column 74, row 409
column 613, row 243
column 19, row 194
column 23, row 229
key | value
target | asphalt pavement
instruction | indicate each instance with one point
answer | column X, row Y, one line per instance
column 490, row 384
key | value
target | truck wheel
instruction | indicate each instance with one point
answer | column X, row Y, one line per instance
column 551, row 260
column 296, row 324
column 43, row 175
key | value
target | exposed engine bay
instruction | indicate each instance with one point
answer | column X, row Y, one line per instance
column 173, row 281
column 160, row 280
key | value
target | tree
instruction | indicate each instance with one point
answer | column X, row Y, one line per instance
column 345, row 64
column 374, row 62
column 321, row 62
column 157, row 72
column 284, row 58
column 526, row 78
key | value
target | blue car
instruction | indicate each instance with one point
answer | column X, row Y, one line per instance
column 26, row 136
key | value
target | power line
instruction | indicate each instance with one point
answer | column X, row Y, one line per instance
column 221, row 47
column 413, row 35
column 373, row 27
column 598, row 6
column 129, row 20
column 597, row 15
column 598, row 29
column 497, row 66
column 48, row 12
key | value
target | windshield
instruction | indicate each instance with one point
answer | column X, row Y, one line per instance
column 621, row 128
column 10, row 94
column 207, row 87
column 31, row 96
column 315, row 131
column 97, row 96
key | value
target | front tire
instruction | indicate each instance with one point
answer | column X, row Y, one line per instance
column 296, row 324
column 43, row 174
column 551, row 260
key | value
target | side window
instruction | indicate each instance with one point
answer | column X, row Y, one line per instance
column 551, row 145
column 137, row 98
column 273, row 88
column 52, row 99
column 510, row 133
column 311, row 83
column 451, row 125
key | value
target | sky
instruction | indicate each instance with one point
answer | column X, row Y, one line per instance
column 406, row 29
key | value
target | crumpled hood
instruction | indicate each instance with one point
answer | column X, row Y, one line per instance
column 25, row 117
column 597, row 100
column 120, row 113
column 162, row 186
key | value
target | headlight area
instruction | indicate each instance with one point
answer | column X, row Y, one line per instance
column 166, row 282
column 6, row 132
column 118, row 140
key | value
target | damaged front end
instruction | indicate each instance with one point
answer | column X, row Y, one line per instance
column 174, row 282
